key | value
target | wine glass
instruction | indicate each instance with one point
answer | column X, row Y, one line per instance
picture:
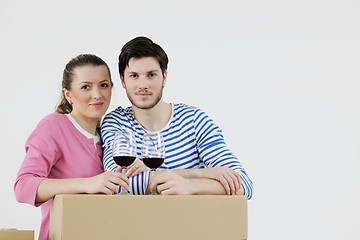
column 153, row 151
column 124, row 150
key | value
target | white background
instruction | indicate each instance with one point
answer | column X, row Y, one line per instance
column 281, row 78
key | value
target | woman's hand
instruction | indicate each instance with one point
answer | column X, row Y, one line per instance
column 135, row 168
column 106, row 183
column 227, row 177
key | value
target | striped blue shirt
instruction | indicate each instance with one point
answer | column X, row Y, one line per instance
column 192, row 140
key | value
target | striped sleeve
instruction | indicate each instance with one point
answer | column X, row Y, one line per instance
column 213, row 150
column 112, row 123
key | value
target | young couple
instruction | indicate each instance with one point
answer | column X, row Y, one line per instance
column 64, row 153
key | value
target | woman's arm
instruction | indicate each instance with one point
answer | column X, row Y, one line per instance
column 58, row 161
column 105, row 183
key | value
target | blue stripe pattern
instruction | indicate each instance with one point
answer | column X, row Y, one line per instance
column 192, row 140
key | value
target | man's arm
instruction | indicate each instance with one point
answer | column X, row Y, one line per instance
column 138, row 178
column 214, row 152
column 167, row 182
column 229, row 179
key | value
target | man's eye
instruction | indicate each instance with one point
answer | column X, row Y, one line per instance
column 151, row 75
column 132, row 75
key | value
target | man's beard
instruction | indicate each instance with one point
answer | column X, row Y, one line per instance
column 147, row 105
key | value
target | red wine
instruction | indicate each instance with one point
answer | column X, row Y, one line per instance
column 153, row 162
column 124, row 161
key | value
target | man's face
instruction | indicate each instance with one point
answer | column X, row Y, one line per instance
column 143, row 82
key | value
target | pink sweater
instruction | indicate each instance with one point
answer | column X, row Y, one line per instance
column 55, row 149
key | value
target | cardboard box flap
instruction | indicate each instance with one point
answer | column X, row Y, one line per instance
column 16, row 234
column 148, row 217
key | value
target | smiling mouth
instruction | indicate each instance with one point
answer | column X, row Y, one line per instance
column 97, row 104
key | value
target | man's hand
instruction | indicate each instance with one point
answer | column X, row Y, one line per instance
column 167, row 182
column 227, row 177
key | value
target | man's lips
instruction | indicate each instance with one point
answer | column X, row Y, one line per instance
column 143, row 93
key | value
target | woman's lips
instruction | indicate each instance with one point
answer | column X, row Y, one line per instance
column 97, row 105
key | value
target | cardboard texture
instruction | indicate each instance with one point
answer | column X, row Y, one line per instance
column 94, row 217
column 16, row 235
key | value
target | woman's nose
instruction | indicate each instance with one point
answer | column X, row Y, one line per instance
column 96, row 94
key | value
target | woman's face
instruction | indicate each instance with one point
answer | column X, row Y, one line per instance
column 90, row 92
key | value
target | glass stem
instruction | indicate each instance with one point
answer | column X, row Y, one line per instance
column 123, row 191
column 154, row 192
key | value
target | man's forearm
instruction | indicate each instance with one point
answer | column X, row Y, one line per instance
column 206, row 186
column 211, row 181
column 170, row 182
column 228, row 178
column 190, row 173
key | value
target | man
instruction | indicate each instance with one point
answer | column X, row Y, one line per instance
column 197, row 160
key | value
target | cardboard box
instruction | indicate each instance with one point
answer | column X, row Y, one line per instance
column 16, row 234
column 102, row 217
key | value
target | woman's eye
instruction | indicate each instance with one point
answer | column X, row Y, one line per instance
column 85, row 87
column 104, row 85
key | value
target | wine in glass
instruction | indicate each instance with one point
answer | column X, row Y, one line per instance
column 153, row 151
column 124, row 150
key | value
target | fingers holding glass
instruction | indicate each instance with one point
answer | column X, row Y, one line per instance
column 124, row 150
column 153, row 151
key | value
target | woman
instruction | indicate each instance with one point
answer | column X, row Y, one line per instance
column 64, row 153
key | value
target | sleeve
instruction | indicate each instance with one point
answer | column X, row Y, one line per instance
column 41, row 155
column 111, row 124
column 213, row 150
